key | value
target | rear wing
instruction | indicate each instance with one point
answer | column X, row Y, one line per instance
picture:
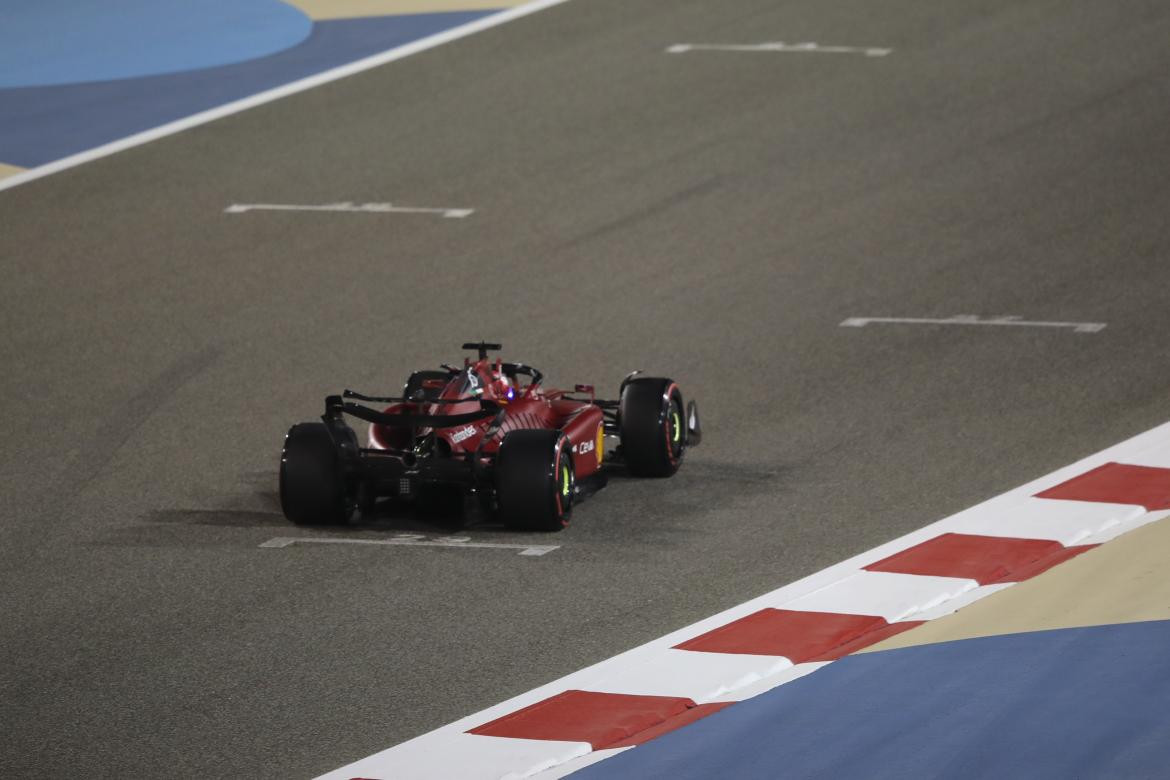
column 336, row 406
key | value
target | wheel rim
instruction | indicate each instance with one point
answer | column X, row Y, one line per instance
column 673, row 427
column 565, row 479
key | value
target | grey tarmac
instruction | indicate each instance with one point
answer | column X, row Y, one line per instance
column 710, row 217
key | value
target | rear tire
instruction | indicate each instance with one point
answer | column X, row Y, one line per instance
column 535, row 480
column 312, row 486
column 652, row 426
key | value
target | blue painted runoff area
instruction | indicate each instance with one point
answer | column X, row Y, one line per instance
column 45, row 42
column 1070, row 703
column 42, row 124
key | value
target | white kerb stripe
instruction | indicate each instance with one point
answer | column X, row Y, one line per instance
column 698, row 676
column 446, row 755
column 894, row 597
column 1068, row 522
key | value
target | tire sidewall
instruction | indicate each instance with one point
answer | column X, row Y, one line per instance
column 564, row 479
column 651, row 419
column 309, row 459
column 532, row 469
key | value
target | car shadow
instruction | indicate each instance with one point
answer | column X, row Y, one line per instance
column 218, row 518
column 258, row 504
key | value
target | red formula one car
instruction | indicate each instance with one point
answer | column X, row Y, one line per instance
column 488, row 430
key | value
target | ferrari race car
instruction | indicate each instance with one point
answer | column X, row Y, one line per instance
column 489, row 430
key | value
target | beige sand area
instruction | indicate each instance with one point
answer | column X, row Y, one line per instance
column 9, row 170
column 349, row 9
column 1123, row 581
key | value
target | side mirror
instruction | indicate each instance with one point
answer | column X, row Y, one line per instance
column 694, row 428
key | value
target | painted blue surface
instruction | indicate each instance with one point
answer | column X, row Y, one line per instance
column 1073, row 703
column 44, row 42
column 42, row 124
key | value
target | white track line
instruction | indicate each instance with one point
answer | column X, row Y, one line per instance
column 972, row 319
column 363, row 208
column 525, row 549
column 243, row 104
column 778, row 46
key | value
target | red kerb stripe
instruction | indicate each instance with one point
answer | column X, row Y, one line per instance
column 1117, row 483
column 797, row 635
column 985, row 559
column 697, row 712
column 601, row 719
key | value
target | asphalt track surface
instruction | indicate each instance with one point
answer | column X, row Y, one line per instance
column 709, row 216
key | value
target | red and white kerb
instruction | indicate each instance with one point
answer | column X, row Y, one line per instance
column 695, row 672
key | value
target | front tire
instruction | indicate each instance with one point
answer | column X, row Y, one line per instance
column 535, row 480
column 312, row 486
column 652, row 426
